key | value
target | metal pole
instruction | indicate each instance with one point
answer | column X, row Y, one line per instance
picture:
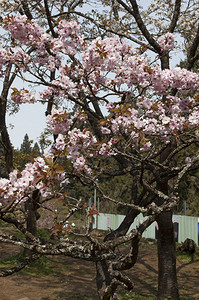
column 95, row 200
column 95, row 193
column 97, row 215
column 89, row 203
column 185, row 208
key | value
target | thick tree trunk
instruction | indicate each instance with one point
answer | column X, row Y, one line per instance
column 31, row 217
column 5, row 139
column 8, row 150
column 167, row 278
column 103, row 279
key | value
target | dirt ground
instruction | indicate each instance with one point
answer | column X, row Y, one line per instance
column 75, row 280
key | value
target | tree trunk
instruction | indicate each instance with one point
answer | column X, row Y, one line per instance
column 5, row 139
column 8, row 151
column 103, row 279
column 167, row 278
column 31, row 207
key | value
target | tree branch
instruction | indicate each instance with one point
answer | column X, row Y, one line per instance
column 26, row 10
column 136, row 14
column 49, row 19
column 192, row 56
column 19, row 267
column 175, row 16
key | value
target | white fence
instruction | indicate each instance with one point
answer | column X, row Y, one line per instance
column 184, row 226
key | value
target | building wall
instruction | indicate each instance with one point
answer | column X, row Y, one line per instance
column 187, row 226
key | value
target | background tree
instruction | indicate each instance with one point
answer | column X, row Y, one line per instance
column 26, row 153
column 26, row 146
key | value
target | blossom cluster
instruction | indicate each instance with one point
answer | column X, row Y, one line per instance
column 167, row 41
column 26, row 31
column 73, row 145
column 149, row 119
column 30, row 34
column 65, row 83
column 58, row 121
column 20, row 58
column 109, row 64
column 115, row 57
column 35, row 176
column 70, row 40
column 4, row 58
column 154, row 78
column 23, row 96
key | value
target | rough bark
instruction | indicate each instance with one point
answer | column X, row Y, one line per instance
column 193, row 56
column 7, row 146
column 103, row 279
column 167, row 278
column 5, row 139
column 31, row 207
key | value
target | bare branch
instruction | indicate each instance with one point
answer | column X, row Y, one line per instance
column 49, row 19
column 175, row 16
column 136, row 14
column 192, row 56
column 19, row 267
column 26, row 10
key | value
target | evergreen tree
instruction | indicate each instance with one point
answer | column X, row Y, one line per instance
column 26, row 145
column 36, row 150
column 26, row 154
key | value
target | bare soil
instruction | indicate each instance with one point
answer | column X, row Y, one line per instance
column 73, row 279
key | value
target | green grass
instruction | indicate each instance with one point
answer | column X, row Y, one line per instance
column 135, row 296
column 185, row 257
column 40, row 267
column 43, row 234
column 11, row 260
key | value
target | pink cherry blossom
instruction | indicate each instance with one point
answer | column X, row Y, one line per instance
column 74, row 144
column 105, row 130
column 146, row 146
column 89, row 70
column 23, row 96
column 167, row 41
column 24, row 30
column 58, row 121
column 5, row 57
column 34, row 176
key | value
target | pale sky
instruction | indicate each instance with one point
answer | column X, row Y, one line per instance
column 30, row 119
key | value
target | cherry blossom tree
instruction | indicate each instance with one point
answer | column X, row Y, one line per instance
column 123, row 107
column 143, row 22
